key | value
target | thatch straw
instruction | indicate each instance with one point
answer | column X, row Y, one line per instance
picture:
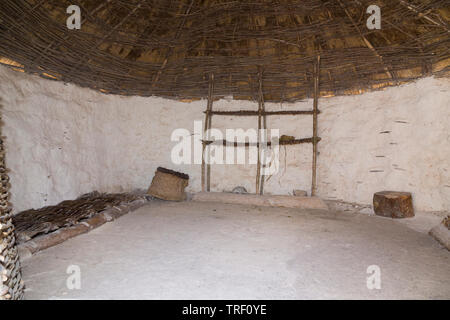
column 168, row 48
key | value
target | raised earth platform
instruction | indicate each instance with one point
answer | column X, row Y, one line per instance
column 262, row 200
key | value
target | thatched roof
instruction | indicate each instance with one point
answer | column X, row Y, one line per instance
column 169, row 47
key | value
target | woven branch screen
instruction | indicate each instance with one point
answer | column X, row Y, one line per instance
column 168, row 47
column 11, row 284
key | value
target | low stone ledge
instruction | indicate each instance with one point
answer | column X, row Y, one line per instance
column 264, row 200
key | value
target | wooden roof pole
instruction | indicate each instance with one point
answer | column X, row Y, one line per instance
column 423, row 15
column 83, row 59
column 426, row 67
column 367, row 42
column 177, row 34
column 25, row 16
column 66, row 37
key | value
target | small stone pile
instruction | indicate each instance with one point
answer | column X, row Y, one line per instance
column 442, row 232
column 446, row 222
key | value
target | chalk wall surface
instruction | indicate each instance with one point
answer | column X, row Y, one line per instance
column 63, row 141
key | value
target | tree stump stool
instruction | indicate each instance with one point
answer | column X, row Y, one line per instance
column 169, row 185
column 393, row 204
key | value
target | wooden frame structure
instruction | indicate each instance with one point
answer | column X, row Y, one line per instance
column 262, row 125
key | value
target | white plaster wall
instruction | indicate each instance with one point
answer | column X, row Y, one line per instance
column 398, row 139
column 63, row 141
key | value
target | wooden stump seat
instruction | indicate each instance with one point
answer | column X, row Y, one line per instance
column 393, row 204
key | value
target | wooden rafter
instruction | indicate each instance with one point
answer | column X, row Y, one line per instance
column 177, row 34
column 57, row 43
column 423, row 15
column 83, row 60
column 367, row 42
column 426, row 68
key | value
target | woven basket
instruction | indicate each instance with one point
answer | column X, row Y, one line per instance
column 168, row 185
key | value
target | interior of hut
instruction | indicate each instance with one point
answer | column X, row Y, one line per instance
column 218, row 149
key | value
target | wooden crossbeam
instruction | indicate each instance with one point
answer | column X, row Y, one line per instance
column 269, row 143
column 247, row 113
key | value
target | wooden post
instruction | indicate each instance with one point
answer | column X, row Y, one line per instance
column 258, row 166
column 264, row 118
column 315, row 139
column 204, row 138
column 210, row 99
column 208, row 122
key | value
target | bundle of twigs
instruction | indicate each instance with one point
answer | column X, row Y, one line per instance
column 11, row 284
column 34, row 222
